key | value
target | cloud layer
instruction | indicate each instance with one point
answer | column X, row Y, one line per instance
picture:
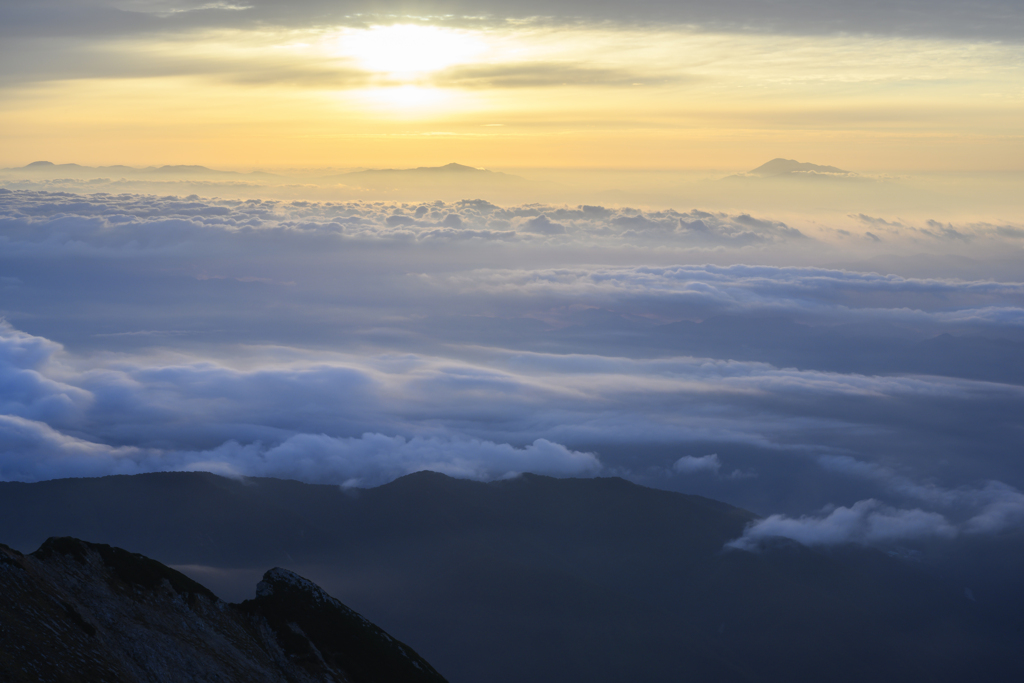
column 354, row 342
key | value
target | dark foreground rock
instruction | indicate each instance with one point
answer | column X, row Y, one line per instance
column 75, row 611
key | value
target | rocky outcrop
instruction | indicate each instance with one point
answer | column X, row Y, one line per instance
column 75, row 611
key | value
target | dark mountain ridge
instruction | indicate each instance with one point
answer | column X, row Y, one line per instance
column 202, row 518
column 77, row 611
column 545, row 579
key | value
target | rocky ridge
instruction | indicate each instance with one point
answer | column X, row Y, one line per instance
column 76, row 611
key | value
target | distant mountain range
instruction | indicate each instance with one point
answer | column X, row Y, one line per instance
column 444, row 174
column 82, row 612
column 450, row 182
column 550, row 580
column 50, row 169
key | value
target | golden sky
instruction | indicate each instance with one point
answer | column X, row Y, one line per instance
column 404, row 91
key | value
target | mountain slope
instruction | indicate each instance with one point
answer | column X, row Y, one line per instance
column 76, row 611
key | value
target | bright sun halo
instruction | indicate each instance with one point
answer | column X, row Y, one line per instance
column 409, row 50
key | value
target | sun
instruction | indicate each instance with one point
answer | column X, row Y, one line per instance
column 409, row 50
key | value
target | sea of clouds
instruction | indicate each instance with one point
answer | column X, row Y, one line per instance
column 839, row 382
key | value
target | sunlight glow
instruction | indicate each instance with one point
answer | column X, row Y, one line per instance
column 406, row 50
column 565, row 94
column 406, row 97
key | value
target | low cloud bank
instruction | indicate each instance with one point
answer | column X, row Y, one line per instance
column 164, row 403
column 375, row 459
column 33, row 451
column 98, row 222
column 103, row 222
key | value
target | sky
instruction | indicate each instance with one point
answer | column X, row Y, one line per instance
column 838, row 348
column 905, row 85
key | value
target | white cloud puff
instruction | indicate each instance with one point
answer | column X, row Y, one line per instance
column 865, row 522
column 991, row 508
column 689, row 464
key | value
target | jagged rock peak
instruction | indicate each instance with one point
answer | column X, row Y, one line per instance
column 278, row 577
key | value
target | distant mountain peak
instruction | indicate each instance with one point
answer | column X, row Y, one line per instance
column 780, row 166
column 181, row 167
column 447, row 168
column 455, row 167
column 38, row 164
